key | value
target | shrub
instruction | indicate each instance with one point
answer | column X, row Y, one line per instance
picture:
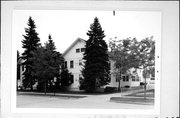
column 127, row 86
column 142, row 83
column 110, row 89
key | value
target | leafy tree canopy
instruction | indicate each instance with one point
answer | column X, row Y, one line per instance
column 47, row 63
column 130, row 53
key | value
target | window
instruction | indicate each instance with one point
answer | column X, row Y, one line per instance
column 152, row 78
column 72, row 78
column 65, row 64
column 124, row 79
column 22, row 67
column 77, row 50
column 71, row 64
column 80, row 62
column 133, row 78
column 82, row 49
column 80, row 77
column 137, row 78
column 127, row 78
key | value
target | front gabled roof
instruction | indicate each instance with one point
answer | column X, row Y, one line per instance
column 72, row 45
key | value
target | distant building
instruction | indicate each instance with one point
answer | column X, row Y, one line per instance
column 22, row 70
column 73, row 56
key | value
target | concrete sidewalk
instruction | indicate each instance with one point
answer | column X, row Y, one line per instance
column 52, row 94
column 81, row 95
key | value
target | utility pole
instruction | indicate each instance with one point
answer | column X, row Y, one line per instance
column 114, row 13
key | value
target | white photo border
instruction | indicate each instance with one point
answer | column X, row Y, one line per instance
column 154, row 111
column 11, row 52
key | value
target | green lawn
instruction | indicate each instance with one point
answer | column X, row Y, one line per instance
column 149, row 94
column 136, row 98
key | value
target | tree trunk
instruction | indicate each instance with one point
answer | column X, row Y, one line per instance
column 31, row 83
column 145, row 86
column 119, row 87
column 45, row 87
column 94, row 86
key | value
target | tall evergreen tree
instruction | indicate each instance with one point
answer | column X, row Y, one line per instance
column 96, row 70
column 30, row 43
column 49, row 45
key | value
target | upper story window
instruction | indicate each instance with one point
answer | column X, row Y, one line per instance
column 77, row 50
column 71, row 64
column 82, row 49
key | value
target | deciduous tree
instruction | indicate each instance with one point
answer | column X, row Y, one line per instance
column 147, row 57
column 47, row 64
column 125, row 55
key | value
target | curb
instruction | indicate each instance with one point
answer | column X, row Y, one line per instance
column 125, row 100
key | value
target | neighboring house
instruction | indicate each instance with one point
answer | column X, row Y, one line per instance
column 74, row 62
column 131, row 79
column 22, row 70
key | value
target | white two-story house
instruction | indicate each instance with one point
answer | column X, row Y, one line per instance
column 74, row 61
column 73, row 56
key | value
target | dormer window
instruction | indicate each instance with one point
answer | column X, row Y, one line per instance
column 77, row 50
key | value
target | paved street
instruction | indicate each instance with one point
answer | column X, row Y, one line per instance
column 75, row 101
